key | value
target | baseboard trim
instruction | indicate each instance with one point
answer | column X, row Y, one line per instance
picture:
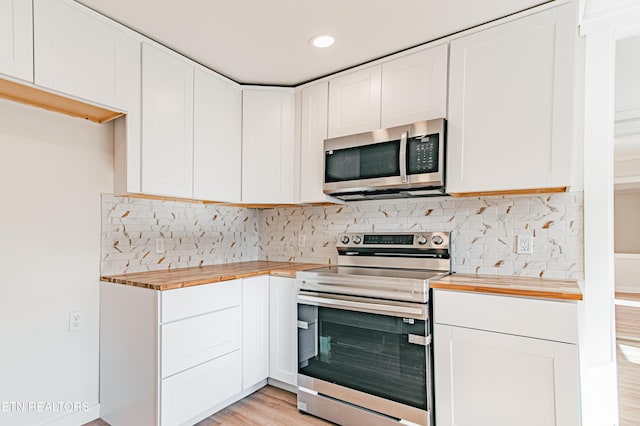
column 77, row 418
column 282, row 385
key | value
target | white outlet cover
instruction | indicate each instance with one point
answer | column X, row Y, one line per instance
column 160, row 246
column 524, row 244
column 301, row 240
column 75, row 321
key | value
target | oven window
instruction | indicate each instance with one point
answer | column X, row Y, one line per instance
column 367, row 352
column 363, row 162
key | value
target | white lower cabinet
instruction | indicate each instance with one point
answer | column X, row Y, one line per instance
column 283, row 346
column 175, row 357
column 487, row 376
column 255, row 330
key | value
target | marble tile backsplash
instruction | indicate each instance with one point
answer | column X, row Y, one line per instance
column 193, row 234
column 483, row 231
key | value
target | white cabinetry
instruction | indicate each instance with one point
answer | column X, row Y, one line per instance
column 414, row 87
column 171, row 357
column 283, row 350
column 313, row 133
column 167, row 124
column 354, row 102
column 81, row 54
column 16, row 39
column 502, row 361
column 217, row 139
column 268, row 146
column 401, row 91
column 255, row 330
column 511, row 109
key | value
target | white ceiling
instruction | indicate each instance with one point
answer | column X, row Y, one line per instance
column 266, row 42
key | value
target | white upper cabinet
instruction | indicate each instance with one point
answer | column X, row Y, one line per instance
column 354, row 102
column 217, row 139
column 401, row 91
column 313, row 133
column 511, row 105
column 79, row 54
column 414, row 87
column 268, row 146
column 16, row 39
column 167, row 124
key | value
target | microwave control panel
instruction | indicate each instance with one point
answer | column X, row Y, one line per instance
column 423, row 154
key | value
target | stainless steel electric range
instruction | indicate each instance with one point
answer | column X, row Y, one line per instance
column 364, row 330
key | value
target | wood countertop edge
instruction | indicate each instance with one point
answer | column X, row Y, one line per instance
column 280, row 271
column 546, row 294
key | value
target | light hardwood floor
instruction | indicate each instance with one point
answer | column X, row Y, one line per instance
column 628, row 354
column 267, row 407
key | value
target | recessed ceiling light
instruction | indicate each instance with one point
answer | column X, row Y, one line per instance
column 322, row 41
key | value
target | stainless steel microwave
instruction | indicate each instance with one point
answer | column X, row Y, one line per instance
column 399, row 162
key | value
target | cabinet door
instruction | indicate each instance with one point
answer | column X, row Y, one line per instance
column 283, row 330
column 16, row 39
column 314, row 132
column 167, row 124
column 414, row 87
column 354, row 102
column 491, row 379
column 268, row 120
column 80, row 54
column 217, row 139
column 255, row 330
column 511, row 105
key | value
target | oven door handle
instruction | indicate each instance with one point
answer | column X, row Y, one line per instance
column 419, row 340
column 352, row 305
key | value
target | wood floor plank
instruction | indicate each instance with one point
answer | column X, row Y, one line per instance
column 269, row 406
column 628, row 356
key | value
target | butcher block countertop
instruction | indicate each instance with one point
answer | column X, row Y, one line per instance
column 187, row 277
column 514, row 286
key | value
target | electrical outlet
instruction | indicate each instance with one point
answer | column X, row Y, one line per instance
column 301, row 240
column 524, row 244
column 75, row 321
column 159, row 245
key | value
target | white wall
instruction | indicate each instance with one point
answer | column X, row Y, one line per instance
column 626, row 223
column 52, row 171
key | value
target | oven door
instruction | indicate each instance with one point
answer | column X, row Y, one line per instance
column 368, row 352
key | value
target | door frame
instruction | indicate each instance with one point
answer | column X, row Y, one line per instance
column 602, row 25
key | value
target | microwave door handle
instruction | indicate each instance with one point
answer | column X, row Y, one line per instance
column 403, row 157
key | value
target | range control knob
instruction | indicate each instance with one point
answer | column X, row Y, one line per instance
column 437, row 240
column 344, row 239
column 357, row 240
column 422, row 240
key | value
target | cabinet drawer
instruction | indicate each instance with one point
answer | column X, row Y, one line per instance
column 543, row 319
column 193, row 341
column 194, row 391
column 197, row 300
